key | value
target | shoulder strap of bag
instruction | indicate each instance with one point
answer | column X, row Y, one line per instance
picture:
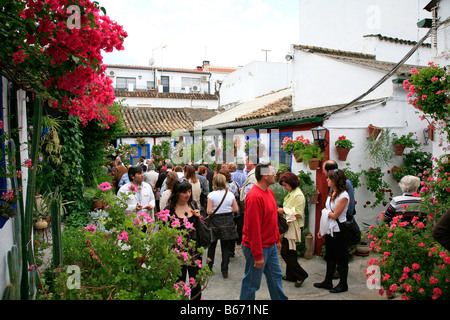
column 224, row 196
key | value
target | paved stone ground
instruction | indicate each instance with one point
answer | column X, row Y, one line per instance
column 229, row 289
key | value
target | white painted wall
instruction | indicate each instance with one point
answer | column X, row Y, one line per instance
column 169, row 103
column 253, row 80
column 394, row 52
column 322, row 81
column 341, row 24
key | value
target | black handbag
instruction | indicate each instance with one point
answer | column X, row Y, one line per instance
column 350, row 231
column 203, row 234
column 282, row 224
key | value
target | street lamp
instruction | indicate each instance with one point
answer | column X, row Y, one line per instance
column 319, row 135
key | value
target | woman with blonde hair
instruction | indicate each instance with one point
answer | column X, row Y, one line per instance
column 189, row 174
column 220, row 207
column 172, row 177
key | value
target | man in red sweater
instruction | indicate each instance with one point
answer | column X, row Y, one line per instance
column 261, row 238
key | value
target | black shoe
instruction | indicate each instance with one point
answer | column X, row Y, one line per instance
column 323, row 285
column 339, row 288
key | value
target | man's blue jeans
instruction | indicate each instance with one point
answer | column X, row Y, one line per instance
column 253, row 276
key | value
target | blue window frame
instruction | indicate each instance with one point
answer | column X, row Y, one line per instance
column 137, row 151
column 284, row 158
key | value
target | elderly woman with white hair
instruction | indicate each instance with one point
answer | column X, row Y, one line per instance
column 407, row 205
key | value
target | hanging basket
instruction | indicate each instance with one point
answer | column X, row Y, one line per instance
column 342, row 153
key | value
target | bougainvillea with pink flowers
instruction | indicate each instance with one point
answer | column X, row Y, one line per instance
column 54, row 48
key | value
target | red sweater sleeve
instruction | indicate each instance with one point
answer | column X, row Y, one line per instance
column 260, row 223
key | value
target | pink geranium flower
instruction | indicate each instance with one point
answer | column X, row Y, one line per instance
column 123, row 236
column 105, row 186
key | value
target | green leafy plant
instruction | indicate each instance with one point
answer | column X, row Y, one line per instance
column 307, row 185
column 409, row 141
column 379, row 149
column 128, row 257
column 343, row 142
column 311, row 151
column 352, row 176
column 415, row 163
column 410, row 262
column 294, row 146
column 376, row 184
column 161, row 151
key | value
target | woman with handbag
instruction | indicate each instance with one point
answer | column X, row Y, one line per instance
column 220, row 208
column 293, row 209
column 183, row 206
column 333, row 215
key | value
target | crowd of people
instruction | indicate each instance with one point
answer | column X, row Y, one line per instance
column 242, row 210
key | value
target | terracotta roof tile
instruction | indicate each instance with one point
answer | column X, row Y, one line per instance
column 278, row 107
column 151, row 121
column 396, row 40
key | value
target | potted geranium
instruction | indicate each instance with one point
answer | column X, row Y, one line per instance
column 343, row 146
column 294, row 146
column 141, row 141
column 404, row 141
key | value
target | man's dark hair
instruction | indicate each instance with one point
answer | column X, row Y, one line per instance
column 240, row 166
column 330, row 165
column 133, row 170
column 260, row 170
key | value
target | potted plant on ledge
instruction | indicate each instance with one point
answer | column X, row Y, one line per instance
column 343, row 146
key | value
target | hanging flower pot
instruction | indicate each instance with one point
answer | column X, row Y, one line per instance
column 313, row 199
column 374, row 131
column 399, row 148
column 314, row 164
column 298, row 157
column 430, row 132
column 342, row 153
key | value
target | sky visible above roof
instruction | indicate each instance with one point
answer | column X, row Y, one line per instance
column 180, row 33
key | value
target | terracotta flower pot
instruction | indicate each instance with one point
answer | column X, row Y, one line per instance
column 398, row 149
column 430, row 132
column 298, row 157
column 314, row 164
column 342, row 153
column 374, row 131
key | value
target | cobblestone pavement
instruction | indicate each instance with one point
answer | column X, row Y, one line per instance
column 229, row 289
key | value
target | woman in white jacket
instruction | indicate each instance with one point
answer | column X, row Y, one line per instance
column 334, row 213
